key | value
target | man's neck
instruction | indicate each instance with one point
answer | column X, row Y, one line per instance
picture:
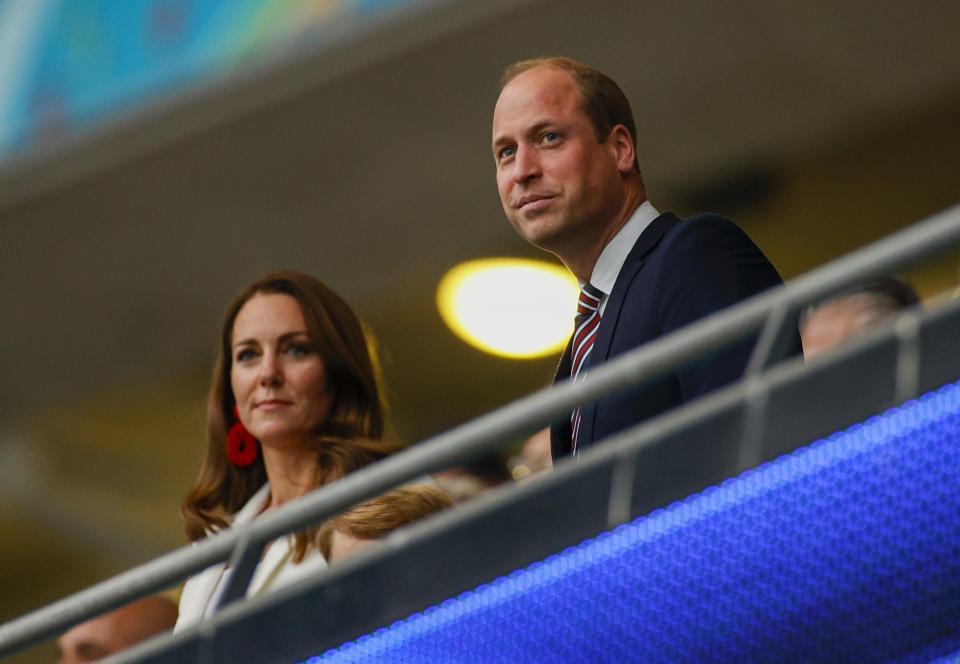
column 583, row 257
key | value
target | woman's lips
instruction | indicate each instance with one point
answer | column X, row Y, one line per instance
column 272, row 404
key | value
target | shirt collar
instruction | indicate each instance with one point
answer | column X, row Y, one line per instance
column 613, row 256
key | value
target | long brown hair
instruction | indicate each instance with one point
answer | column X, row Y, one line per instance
column 349, row 437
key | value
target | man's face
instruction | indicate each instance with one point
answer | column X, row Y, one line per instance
column 835, row 322
column 559, row 186
column 90, row 641
column 112, row 632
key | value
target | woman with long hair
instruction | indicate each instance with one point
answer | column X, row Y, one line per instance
column 295, row 403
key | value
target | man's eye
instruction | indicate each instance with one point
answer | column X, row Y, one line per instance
column 506, row 153
column 551, row 136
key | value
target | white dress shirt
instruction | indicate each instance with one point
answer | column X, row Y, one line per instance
column 275, row 570
column 613, row 256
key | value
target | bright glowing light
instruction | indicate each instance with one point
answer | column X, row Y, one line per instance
column 511, row 307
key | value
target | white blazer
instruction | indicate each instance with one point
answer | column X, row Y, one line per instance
column 276, row 570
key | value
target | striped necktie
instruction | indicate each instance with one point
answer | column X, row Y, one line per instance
column 585, row 333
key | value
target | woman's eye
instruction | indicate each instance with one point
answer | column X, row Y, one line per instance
column 298, row 350
column 245, row 355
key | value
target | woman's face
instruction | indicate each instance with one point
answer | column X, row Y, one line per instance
column 278, row 380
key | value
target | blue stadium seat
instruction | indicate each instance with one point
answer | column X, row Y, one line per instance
column 847, row 550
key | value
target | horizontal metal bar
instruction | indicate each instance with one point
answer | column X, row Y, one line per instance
column 490, row 431
column 353, row 598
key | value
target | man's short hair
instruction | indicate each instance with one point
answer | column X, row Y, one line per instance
column 603, row 100
column 377, row 517
column 885, row 296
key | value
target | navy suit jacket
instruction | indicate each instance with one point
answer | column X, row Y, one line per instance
column 678, row 271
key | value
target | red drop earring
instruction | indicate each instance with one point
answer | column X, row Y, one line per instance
column 242, row 447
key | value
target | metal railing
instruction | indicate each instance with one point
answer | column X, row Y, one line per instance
column 767, row 312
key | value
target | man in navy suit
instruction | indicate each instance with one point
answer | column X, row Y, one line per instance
column 564, row 144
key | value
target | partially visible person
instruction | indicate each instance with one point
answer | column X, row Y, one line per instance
column 295, row 404
column 534, row 457
column 470, row 480
column 830, row 323
column 359, row 527
column 564, row 145
column 117, row 630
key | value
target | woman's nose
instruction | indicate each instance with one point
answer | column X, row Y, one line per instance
column 270, row 372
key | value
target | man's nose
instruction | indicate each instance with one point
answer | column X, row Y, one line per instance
column 526, row 164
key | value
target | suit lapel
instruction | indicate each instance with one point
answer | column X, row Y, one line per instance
column 203, row 593
column 611, row 312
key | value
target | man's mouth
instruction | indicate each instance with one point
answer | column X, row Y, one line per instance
column 533, row 201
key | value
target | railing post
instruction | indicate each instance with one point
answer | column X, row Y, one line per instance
column 754, row 422
column 907, row 329
column 621, row 489
column 243, row 563
column 775, row 337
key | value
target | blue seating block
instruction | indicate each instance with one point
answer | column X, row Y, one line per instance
column 847, row 550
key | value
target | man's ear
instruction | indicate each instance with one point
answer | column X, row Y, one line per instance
column 622, row 145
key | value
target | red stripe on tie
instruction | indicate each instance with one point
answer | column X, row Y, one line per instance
column 585, row 347
column 585, row 334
